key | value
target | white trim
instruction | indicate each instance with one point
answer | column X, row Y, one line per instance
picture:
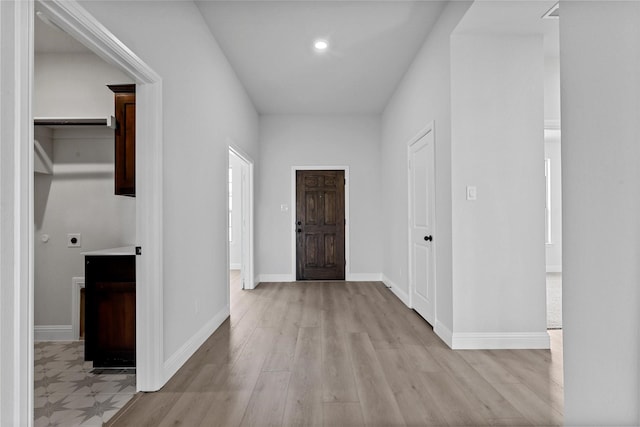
column 77, row 22
column 402, row 295
column 16, row 213
column 292, row 210
column 500, row 340
column 77, row 283
column 444, row 333
column 429, row 128
column 554, row 269
column 247, row 263
column 235, row 266
column 53, row 333
column 363, row 277
column 552, row 124
column 262, row 278
column 187, row 350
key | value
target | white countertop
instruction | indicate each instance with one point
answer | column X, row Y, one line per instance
column 125, row 250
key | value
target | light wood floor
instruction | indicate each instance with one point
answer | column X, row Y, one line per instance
column 347, row 354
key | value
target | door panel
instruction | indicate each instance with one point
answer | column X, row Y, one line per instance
column 320, row 225
column 421, row 209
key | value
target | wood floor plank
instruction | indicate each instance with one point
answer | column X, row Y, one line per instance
column 346, row 414
column 421, row 359
column 534, row 409
column 484, row 398
column 379, row 406
column 280, row 358
column 337, row 371
column 227, row 409
column 268, row 399
column 490, row 368
column 347, row 353
column 304, row 395
column 535, row 375
column 412, row 396
column 451, row 399
column 312, row 305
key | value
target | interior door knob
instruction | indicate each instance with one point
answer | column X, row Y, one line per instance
column 428, row 238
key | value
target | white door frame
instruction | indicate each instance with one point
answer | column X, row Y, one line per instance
column 16, row 182
column 246, row 192
column 16, row 213
column 292, row 210
column 430, row 127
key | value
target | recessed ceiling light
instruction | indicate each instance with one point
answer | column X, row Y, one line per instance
column 320, row 45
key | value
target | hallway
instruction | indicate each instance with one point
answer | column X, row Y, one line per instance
column 347, row 353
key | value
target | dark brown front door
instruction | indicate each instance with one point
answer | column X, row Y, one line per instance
column 320, row 225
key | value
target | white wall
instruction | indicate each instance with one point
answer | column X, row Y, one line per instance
column 600, row 59
column 77, row 198
column 497, row 145
column 552, row 88
column 204, row 105
column 422, row 96
column 74, row 85
column 235, row 245
column 287, row 141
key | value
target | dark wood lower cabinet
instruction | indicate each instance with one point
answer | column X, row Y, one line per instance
column 110, row 316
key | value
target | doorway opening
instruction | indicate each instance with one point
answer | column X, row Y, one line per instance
column 553, row 224
column 147, row 227
column 78, row 210
column 240, row 223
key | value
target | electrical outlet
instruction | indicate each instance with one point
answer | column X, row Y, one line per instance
column 74, row 240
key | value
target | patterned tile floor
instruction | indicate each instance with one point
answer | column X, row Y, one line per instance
column 67, row 394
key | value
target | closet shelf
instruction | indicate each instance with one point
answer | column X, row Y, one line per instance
column 72, row 121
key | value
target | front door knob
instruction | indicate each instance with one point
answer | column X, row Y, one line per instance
column 428, row 238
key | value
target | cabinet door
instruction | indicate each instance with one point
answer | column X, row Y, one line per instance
column 110, row 314
column 125, row 139
column 116, row 328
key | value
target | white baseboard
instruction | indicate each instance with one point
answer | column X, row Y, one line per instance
column 364, row 277
column 402, row 295
column 500, row 340
column 235, row 266
column 53, row 333
column 444, row 333
column 179, row 358
column 275, row 278
column 554, row 269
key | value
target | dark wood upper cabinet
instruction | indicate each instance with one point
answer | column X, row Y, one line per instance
column 125, row 139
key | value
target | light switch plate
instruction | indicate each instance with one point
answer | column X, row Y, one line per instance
column 74, row 240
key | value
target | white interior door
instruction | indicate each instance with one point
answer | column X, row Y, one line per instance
column 421, row 237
